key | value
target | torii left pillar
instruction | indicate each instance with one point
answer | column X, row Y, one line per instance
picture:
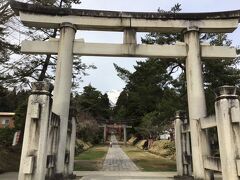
column 62, row 89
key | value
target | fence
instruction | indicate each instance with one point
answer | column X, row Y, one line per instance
column 41, row 137
column 227, row 122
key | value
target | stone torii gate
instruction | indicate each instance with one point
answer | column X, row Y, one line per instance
column 106, row 128
column 191, row 51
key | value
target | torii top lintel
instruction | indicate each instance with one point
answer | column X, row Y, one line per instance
column 51, row 17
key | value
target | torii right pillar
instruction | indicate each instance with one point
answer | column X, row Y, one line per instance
column 105, row 133
column 196, row 103
column 125, row 134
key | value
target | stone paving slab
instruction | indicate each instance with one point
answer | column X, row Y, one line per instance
column 9, row 176
column 125, row 175
column 117, row 160
column 123, row 178
column 108, row 175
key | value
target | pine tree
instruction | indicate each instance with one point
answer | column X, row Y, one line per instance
column 23, row 69
column 93, row 102
column 158, row 87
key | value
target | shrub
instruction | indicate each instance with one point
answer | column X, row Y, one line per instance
column 81, row 146
column 164, row 148
column 132, row 141
column 6, row 136
column 142, row 144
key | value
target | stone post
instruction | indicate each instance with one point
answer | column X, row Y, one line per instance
column 130, row 40
column 53, row 140
column 186, row 145
column 72, row 147
column 196, row 103
column 62, row 87
column 178, row 143
column 125, row 134
column 34, row 150
column 105, row 133
column 67, row 150
column 227, row 116
column 129, row 36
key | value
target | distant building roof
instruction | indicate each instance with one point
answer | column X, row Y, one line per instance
column 7, row 114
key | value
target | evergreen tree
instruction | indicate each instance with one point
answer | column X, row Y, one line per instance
column 13, row 101
column 93, row 102
column 148, row 90
column 158, row 87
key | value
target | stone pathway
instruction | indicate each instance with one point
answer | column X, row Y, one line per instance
column 118, row 166
column 117, row 160
column 124, row 175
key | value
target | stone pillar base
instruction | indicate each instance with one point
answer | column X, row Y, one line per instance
column 72, row 176
column 57, row 176
column 61, row 176
column 183, row 177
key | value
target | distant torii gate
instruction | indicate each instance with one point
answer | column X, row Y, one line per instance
column 191, row 51
column 115, row 126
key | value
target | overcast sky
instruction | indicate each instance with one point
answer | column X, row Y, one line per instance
column 105, row 77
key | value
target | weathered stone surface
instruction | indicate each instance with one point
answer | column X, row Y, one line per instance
column 41, row 87
column 196, row 104
column 124, row 175
column 208, row 122
column 62, row 88
column 213, row 163
column 228, row 132
column 50, row 17
column 35, row 142
column 125, row 50
column 38, row 9
column 178, row 143
column 226, row 92
column 117, row 160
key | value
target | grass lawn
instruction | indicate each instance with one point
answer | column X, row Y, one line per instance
column 147, row 161
column 91, row 160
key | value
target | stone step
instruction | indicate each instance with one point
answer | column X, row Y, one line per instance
column 100, row 175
